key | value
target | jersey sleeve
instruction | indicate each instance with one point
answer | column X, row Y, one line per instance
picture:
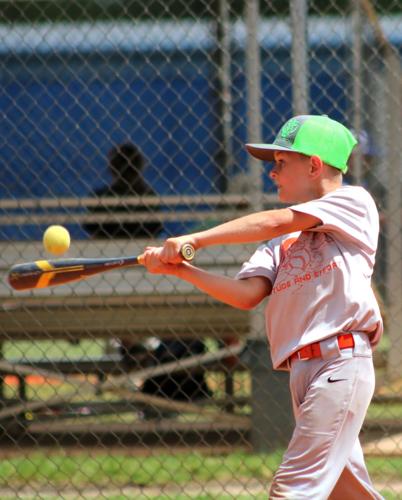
column 262, row 263
column 349, row 213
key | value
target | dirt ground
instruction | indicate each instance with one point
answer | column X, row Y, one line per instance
column 246, row 488
column 386, row 446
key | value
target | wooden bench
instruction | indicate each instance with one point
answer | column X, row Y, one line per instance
column 132, row 305
column 120, row 304
column 126, row 304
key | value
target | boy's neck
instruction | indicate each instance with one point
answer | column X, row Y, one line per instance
column 329, row 185
column 324, row 187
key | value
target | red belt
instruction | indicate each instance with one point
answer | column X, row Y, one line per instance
column 311, row 351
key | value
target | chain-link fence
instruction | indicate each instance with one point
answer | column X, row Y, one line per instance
column 126, row 123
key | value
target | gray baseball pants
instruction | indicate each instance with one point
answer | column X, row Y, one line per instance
column 330, row 397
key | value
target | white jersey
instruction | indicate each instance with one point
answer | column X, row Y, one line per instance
column 321, row 278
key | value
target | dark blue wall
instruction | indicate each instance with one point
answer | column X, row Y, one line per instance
column 62, row 113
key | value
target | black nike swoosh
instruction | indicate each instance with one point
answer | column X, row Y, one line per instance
column 332, row 380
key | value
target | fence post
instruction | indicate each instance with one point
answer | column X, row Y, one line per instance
column 254, row 119
column 270, row 392
column 357, row 26
column 298, row 22
column 222, row 57
column 394, row 235
column 271, row 412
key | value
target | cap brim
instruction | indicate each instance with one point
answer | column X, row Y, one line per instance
column 265, row 152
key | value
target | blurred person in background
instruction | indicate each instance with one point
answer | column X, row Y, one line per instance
column 126, row 164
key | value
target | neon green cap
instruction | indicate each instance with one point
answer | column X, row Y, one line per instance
column 311, row 135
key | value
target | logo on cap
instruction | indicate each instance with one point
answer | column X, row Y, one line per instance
column 289, row 128
column 288, row 132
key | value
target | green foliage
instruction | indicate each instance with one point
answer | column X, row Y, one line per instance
column 385, row 411
column 116, row 470
column 385, row 468
column 104, row 469
column 48, row 349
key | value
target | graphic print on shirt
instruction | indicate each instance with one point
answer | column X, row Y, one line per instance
column 302, row 261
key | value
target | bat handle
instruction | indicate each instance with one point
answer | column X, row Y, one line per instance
column 187, row 252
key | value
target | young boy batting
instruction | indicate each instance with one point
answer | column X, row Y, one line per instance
column 322, row 318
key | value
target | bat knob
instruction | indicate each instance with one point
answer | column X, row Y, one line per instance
column 187, row 251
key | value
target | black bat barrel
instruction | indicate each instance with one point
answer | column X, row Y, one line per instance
column 44, row 273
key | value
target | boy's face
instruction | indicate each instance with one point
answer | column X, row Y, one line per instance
column 290, row 174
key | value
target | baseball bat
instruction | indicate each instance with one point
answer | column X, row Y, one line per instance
column 45, row 273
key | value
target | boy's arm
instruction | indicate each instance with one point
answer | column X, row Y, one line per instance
column 256, row 227
column 243, row 294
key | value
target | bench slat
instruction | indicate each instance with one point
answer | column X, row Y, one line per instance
column 184, row 320
column 129, row 304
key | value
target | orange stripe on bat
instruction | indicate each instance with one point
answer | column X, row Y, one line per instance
column 44, row 280
column 50, row 271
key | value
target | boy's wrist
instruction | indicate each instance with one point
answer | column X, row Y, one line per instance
column 191, row 239
column 180, row 270
column 196, row 240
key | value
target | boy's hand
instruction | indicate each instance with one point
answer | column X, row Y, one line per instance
column 175, row 250
column 151, row 259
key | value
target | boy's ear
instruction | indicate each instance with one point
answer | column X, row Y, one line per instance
column 316, row 166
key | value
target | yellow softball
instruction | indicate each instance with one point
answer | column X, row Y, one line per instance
column 56, row 240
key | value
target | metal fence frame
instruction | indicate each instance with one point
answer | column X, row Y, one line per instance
column 259, row 70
